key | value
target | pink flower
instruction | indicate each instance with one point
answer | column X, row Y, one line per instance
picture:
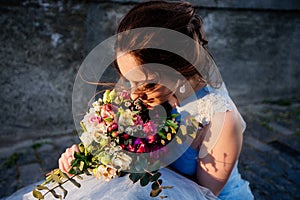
column 138, row 120
column 149, row 128
column 92, row 119
column 151, row 138
column 125, row 95
column 95, row 120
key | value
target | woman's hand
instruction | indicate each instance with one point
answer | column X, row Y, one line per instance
column 66, row 158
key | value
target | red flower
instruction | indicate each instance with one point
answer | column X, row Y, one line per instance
column 151, row 138
column 141, row 148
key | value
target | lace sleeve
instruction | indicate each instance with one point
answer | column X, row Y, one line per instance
column 214, row 104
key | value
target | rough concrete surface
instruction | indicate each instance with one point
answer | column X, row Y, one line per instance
column 43, row 44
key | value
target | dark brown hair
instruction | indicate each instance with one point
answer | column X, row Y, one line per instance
column 178, row 16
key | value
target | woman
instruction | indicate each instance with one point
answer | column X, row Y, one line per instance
column 190, row 82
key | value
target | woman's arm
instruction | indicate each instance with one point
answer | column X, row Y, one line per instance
column 214, row 169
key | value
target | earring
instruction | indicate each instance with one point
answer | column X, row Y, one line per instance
column 182, row 89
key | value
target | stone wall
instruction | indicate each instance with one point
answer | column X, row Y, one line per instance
column 43, row 44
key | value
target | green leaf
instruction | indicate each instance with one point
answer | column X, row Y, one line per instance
column 72, row 171
column 155, row 193
column 108, row 119
column 79, row 156
column 37, row 194
column 174, row 116
column 172, row 124
column 161, row 134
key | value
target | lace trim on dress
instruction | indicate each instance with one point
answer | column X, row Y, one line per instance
column 217, row 101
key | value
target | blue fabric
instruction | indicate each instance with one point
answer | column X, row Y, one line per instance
column 187, row 162
column 235, row 188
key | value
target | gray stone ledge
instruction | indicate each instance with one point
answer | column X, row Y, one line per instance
column 218, row 4
column 233, row 4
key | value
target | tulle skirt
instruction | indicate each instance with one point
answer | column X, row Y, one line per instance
column 123, row 188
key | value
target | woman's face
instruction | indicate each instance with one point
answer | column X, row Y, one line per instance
column 152, row 87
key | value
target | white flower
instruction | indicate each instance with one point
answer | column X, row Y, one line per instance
column 97, row 106
column 86, row 139
column 121, row 161
column 126, row 118
column 101, row 138
column 107, row 172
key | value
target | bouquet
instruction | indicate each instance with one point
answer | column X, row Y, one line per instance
column 119, row 137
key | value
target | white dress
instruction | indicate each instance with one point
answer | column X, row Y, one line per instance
column 122, row 188
column 183, row 188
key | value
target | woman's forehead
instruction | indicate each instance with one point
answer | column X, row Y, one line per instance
column 132, row 70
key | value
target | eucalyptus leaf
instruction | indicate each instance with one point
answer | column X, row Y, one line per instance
column 64, row 191
column 75, row 182
column 79, row 177
column 56, row 178
column 41, row 187
column 167, row 187
column 159, row 181
column 155, row 177
column 145, row 179
column 183, row 129
column 155, row 186
column 163, row 197
column 86, row 172
column 135, row 177
column 55, row 194
column 178, row 140
column 37, row 194
column 155, row 193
